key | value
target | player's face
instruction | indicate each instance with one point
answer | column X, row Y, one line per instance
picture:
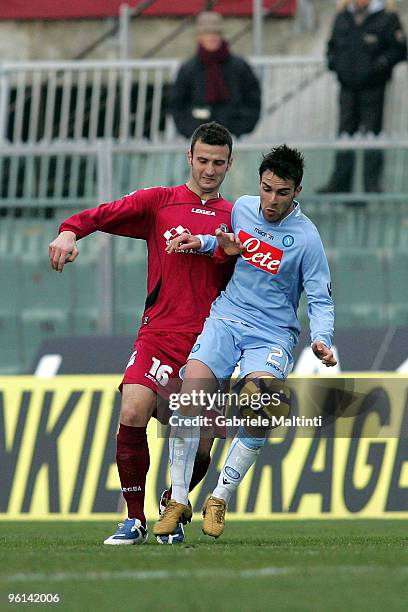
column 211, row 41
column 209, row 164
column 361, row 4
column 277, row 195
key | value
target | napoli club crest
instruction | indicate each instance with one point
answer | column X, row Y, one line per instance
column 288, row 240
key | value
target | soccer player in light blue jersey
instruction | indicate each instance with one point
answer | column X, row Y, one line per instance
column 252, row 323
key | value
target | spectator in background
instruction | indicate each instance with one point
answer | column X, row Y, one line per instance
column 215, row 85
column 366, row 43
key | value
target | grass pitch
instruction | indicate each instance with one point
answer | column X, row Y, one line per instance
column 316, row 566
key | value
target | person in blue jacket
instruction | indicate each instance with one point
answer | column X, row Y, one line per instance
column 253, row 322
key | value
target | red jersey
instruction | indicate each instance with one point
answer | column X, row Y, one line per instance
column 180, row 287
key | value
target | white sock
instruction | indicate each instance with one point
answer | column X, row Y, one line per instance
column 239, row 459
column 183, row 445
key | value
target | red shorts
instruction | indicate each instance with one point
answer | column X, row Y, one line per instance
column 157, row 358
column 155, row 363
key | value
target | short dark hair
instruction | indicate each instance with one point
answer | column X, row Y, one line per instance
column 285, row 162
column 212, row 134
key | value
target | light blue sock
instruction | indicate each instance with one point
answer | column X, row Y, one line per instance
column 183, row 445
column 243, row 453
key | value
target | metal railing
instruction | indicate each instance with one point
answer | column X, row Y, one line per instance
column 63, row 178
column 67, row 174
column 129, row 100
column 46, row 101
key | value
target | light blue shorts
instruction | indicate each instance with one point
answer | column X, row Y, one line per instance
column 224, row 344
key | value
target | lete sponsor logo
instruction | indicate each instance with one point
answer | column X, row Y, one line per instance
column 260, row 254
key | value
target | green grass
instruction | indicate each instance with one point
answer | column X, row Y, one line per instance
column 316, row 566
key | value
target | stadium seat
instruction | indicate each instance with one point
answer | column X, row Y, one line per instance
column 39, row 324
column 387, row 224
column 130, row 272
column 127, row 321
column 399, row 315
column 84, row 285
column 84, row 321
column 339, row 224
column 155, row 168
column 11, row 343
column 25, row 271
column 7, row 228
column 377, row 224
column 31, row 237
column 84, row 275
column 167, row 165
column 10, row 282
column 359, row 278
column 302, row 312
column 397, row 277
column 332, row 255
column 43, row 287
column 359, row 315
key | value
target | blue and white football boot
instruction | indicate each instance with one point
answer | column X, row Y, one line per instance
column 131, row 531
column 172, row 538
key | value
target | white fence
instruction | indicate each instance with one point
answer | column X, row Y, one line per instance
column 128, row 100
column 80, row 174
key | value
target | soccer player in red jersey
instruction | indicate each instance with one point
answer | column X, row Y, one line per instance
column 180, row 292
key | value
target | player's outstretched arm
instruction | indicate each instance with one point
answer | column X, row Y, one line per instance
column 323, row 353
column 183, row 242
column 230, row 243
column 62, row 250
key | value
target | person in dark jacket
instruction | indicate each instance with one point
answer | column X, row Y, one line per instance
column 215, row 85
column 366, row 43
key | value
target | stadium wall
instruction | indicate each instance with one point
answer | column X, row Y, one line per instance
column 48, row 9
column 65, row 39
column 24, row 40
column 59, row 40
column 57, row 452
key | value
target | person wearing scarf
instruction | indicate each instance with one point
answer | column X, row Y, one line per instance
column 215, row 85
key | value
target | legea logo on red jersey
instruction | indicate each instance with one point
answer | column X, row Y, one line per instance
column 260, row 254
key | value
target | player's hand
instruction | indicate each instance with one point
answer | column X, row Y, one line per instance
column 183, row 242
column 323, row 353
column 62, row 250
column 230, row 243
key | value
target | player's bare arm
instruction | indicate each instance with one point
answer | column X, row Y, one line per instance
column 230, row 243
column 324, row 354
column 183, row 242
column 62, row 250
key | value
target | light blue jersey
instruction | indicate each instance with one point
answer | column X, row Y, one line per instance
column 280, row 260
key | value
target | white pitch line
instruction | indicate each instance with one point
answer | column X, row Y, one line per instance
column 150, row 574
column 260, row 572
